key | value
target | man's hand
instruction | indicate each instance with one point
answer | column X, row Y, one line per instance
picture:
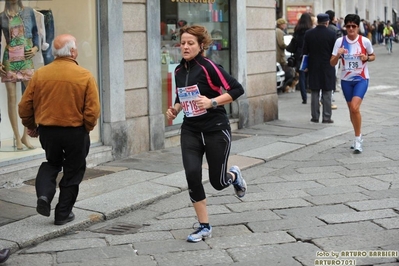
column 34, row 133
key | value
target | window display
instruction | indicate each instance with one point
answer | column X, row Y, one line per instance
column 174, row 15
column 18, row 25
column 27, row 31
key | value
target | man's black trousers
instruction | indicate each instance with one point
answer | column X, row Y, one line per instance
column 66, row 149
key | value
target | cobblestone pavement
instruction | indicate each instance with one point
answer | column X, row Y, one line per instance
column 310, row 200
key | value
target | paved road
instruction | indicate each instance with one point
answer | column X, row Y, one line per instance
column 310, row 200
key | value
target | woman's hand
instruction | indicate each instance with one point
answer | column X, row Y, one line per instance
column 171, row 113
column 341, row 51
column 30, row 53
column 364, row 57
column 203, row 102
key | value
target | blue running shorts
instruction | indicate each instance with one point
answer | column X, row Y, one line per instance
column 354, row 88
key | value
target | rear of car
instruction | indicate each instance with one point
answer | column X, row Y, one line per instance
column 280, row 76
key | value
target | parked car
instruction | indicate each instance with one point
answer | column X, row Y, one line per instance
column 280, row 76
column 287, row 40
column 280, row 72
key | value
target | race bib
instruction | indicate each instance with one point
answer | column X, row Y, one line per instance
column 353, row 62
column 187, row 96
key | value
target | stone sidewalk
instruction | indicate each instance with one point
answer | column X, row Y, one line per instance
column 118, row 187
column 131, row 183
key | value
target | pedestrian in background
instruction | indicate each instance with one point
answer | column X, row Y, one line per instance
column 61, row 105
column 388, row 34
column 362, row 29
column 332, row 25
column 380, row 31
column 374, row 27
column 355, row 74
column 206, row 127
column 396, row 30
column 339, row 25
column 318, row 45
column 281, row 26
column 314, row 20
column 304, row 23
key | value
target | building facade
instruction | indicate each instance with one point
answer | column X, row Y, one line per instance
column 243, row 42
column 130, row 47
column 369, row 10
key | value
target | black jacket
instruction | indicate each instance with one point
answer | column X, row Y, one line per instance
column 335, row 29
column 210, row 79
column 300, row 38
column 319, row 43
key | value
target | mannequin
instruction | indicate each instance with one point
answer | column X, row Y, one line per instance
column 18, row 24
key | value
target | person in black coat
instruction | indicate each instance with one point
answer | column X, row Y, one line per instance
column 380, row 31
column 318, row 45
column 333, row 26
column 304, row 23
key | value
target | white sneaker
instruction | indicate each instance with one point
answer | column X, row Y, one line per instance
column 199, row 234
column 240, row 186
column 358, row 145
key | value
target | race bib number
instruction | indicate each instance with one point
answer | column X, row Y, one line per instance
column 353, row 63
column 187, row 96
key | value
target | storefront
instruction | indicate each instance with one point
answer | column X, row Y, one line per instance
column 214, row 15
column 294, row 12
column 53, row 17
column 131, row 46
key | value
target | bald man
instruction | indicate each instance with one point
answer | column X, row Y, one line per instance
column 61, row 105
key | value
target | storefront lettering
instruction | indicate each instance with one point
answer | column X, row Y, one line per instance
column 195, row 1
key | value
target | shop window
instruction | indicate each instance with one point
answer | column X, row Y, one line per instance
column 214, row 15
column 78, row 18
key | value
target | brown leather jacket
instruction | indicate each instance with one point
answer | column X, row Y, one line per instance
column 63, row 94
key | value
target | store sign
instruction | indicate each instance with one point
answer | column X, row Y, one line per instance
column 295, row 12
column 194, row 1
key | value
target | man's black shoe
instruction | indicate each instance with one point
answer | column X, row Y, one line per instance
column 329, row 121
column 70, row 218
column 4, row 255
column 314, row 120
column 43, row 206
